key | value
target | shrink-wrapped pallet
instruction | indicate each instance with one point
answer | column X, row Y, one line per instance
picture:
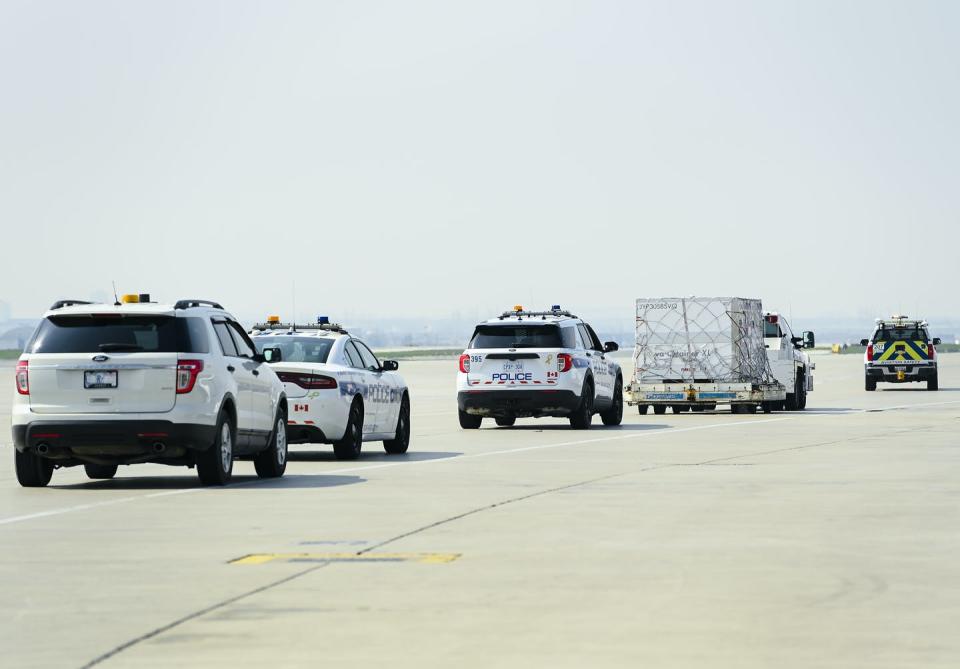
column 700, row 340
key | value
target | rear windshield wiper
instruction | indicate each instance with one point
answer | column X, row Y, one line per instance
column 120, row 347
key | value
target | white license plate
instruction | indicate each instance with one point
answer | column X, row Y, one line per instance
column 100, row 379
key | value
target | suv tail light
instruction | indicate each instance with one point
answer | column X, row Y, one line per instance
column 308, row 381
column 564, row 362
column 931, row 351
column 187, row 373
column 23, row 378
column 465, row 363
column 869, row 352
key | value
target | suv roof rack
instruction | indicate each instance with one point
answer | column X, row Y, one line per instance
column 533, row 314
column 59, row 304
column 188, row 304
column 294, row 327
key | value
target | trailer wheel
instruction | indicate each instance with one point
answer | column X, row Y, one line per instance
column 642, row 408
column 659, row 409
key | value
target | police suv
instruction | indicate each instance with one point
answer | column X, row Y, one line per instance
column 538, row 363
column 900, row 351
column 102, row 385
column 339, row 391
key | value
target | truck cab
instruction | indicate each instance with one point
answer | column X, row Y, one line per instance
column 789, row 363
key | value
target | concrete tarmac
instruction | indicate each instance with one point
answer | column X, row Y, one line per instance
column 827, row 538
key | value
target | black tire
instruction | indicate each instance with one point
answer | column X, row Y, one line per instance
column 696, row 408
column 679, row 408
column 642, row 409
column 401, row 440
column 768, row 407
column 215, row 465
column 582, row 416
column 659, row 409
column 506, row 421
column 869, row 384
column 95, row 471
column 349, row 446
column 33, row 471
column 933, row 383
column 797, row 400
column 470, row 422
column 271, row 462
column 743, row 408
column 614, row 415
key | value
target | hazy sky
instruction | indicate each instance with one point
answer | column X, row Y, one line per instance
column 415, row 158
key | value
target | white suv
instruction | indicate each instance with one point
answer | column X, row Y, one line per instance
column 538, row 363
column 101, row 385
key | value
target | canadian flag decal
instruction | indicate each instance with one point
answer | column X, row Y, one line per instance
column 301, row 407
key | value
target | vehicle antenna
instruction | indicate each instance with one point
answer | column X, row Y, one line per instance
column 293, row 290
column 116, row 300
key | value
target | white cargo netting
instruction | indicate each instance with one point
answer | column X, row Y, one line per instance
column 700, row 340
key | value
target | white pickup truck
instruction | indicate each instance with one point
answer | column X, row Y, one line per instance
column 696, row 353
column 789, row 364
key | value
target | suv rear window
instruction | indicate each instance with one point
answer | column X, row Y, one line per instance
column 516, row 336
column 900, row 334
column 100, row 333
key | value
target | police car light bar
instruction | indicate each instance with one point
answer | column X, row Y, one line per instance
column 296, row 327
column 520, row 313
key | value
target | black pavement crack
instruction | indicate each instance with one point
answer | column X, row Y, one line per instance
column 116, row 650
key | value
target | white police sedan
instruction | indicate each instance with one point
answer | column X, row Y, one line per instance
column 338, row 392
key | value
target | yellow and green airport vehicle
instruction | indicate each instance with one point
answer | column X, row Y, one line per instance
column 900, row 351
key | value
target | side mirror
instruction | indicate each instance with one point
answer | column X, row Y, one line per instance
column 610, row 346
column 809, row 339
column 936, row 341
column 796, row 341
column 864, row 342
column 390, row 365
column 271, row 355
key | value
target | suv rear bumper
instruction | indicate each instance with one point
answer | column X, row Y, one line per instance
column 122, row 439
column 888, row 373
column 518, row 402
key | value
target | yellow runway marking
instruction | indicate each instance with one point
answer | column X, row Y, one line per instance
column 424, row 558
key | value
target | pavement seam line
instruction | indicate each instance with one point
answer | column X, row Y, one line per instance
column 116, row 650
column 602, row 478
column 444, row 521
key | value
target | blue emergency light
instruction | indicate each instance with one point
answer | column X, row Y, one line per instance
column 555, row 307
column 323, row 320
